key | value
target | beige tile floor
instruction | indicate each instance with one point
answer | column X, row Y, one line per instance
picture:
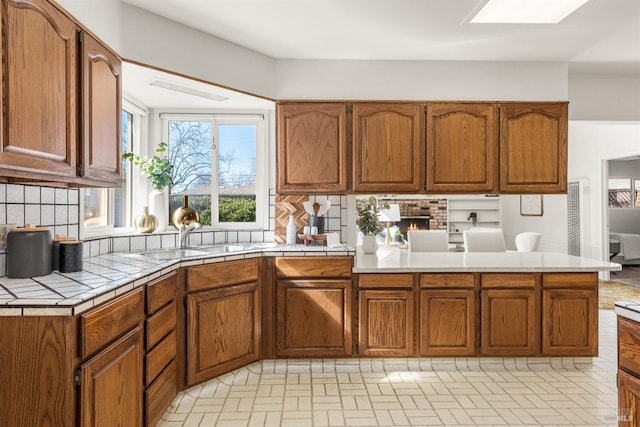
column 411, row 392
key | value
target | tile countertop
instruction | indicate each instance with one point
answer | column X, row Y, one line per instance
column 628, row 309
column 394, row 260
column 106, row 276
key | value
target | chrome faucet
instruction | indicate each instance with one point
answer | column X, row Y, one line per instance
column 184, row 230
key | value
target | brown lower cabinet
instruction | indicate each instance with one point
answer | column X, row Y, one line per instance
column 222, row 318
column 628, row 372
column 313, row 306
column 386, row 315
column 447, row 314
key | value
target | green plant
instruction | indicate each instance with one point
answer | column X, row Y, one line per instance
column 368, row 210
column 156, row 168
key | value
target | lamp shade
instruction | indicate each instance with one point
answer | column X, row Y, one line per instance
column 392, row 214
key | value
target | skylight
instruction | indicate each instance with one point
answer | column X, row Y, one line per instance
column 526, row 11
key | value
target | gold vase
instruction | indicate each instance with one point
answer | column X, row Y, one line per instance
column 184, row 215
column 145, row 223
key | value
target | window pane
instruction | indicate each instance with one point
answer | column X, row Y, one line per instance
column 120, row 194
column 190, row 155
column 619, row 193
column 237, row 173
column 637, row 193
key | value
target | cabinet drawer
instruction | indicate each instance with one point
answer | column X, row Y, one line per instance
column 629, row 345
column 102, row 325
column 160, row 356
column 222, row 274
column 161, row 291
column 508, row 280
column 569, row 280
column 385, row 280
column 160, row 324
column 160, row 394
column 309, row 267
column 447, row 280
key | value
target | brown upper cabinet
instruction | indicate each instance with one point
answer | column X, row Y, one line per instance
column 41, row 100
column 533, row 148
column 462, row 148
column 312, row 148
column 387, row 148
column 39, row 91
column 101, row 111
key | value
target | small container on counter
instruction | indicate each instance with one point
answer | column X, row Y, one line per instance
column 70, row 256
column 55, row 250
column 28, row 252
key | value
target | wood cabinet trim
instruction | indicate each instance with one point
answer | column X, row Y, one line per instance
column 159, row 357
column 160, row 324
column 310, row 267
column 447, row 280
column 569, row 280
column 161, row 291
column 221, row 274
column 629, row 345
column 388, row 280
column 509, row 280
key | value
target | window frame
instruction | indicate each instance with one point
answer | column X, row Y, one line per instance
column 257, row 118
column 634, row 185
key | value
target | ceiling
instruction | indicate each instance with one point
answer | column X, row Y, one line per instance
column 601, row 36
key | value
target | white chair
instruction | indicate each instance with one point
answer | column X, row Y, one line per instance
column 527, row 242
column 428, row 240
column 484, row 240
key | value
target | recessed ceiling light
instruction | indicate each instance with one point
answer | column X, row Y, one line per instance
column 186, row 89
column 526, row 11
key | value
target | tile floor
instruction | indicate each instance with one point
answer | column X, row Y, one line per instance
column 411, row 392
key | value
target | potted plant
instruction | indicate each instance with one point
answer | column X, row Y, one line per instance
column 368, row 222
column 158, row 170
column 398, row 237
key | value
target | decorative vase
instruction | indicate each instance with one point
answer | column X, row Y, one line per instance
column 145, row 223
column 159, row 206
column 184, row 215
column 369, row 244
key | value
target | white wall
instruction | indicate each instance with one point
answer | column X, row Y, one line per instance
column 624, row 220
column 102, row 17
column 552, row 224
column 590, row 145
column 604, row 97
column 421, row 80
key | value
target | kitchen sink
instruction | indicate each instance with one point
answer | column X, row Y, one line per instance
column 174, row 253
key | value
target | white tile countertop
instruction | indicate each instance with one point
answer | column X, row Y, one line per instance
column 105, row 276
column 389, row 259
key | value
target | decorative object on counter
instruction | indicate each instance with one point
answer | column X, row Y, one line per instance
column 158, row 170
column 389, row 215
column 55, row 250
column 184, row 215
column 398, row 237
column 70, row 256
column 318, row 223
column 28, row 252
column 291, row 231
column 145, row 222
column 4, row 230
column 473, row 217
column 368, row 222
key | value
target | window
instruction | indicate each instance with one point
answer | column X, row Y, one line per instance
column 624, row 192
column 219, row 163
column 105, row 208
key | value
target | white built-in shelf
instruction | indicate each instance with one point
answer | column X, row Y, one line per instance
column 488, row 212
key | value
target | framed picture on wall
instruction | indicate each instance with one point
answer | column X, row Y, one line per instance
column 531, row 204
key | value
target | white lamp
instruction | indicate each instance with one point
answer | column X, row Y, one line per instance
column 392, row 214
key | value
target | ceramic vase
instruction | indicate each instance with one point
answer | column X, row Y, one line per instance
column 369, row 244
column 145, row 223
column 159, row 207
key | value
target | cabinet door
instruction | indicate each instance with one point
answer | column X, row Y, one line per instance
column 386, row 325
column 39, row 91
column 112, row 384
column 628, row 400
column 447, row 322
column 101, row 112
column 312, row 148
column 533, row 148
column 570, row 322
column 509, row 324
column 313, row 318
column 387, row 148
column 223, row 331
column 462, row 148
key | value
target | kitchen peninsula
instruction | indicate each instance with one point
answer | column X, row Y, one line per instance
column 174, row 322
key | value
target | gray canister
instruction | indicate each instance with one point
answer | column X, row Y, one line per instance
column 70, row 256
column 28, row 252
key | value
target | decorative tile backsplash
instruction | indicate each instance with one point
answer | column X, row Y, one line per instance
column 335, row 219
